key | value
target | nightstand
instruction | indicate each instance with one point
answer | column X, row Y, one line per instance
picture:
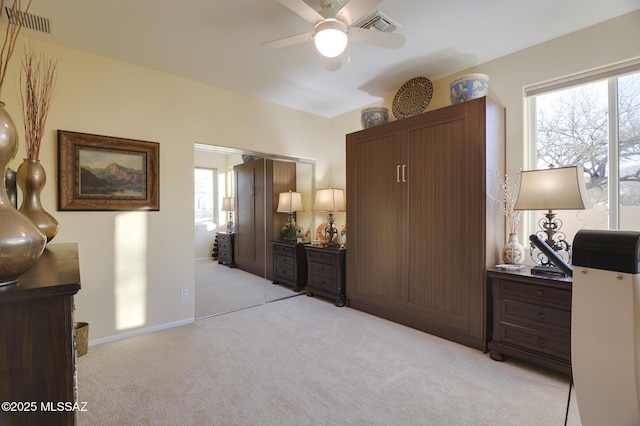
column 327, row 273
column 531, row 318
column 289, row 264
column 226, row 253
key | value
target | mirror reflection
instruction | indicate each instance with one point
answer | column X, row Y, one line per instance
column 237, row 218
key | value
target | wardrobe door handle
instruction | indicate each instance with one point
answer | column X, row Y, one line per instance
column 404, row 170
column 398, row 174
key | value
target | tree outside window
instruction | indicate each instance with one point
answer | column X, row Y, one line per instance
column 597, row 126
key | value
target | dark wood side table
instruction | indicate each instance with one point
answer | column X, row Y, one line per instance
column 289, row 264
column 327, row 273
column 37, row 350
column 531, row 318
column 226, row 251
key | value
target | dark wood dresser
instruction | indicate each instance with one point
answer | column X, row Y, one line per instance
column 37, row 350
column 531, row 318
column 289, row 264
column 226, row 252
column 327, row 273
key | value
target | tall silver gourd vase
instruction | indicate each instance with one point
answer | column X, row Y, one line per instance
column 31, row 181
column 21, row 241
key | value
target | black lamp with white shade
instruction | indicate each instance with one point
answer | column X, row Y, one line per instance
column 290, row 203
column 561, row 188
column 330, row 200
column 228, row 205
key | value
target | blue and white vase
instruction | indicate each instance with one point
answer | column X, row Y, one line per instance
column 513, row 251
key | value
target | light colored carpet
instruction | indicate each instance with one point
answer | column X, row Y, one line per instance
column 221, row 289
column 303, row 361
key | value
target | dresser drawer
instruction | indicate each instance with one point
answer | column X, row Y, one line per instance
column 536, row 294
column 284, row 261
column 324, row 256
column 547, row 343
column 285, row 272
column 288, row 250
column 535, row 315
column 323, row 283
column 323, row 270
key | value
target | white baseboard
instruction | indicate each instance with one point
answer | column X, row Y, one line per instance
column 140, row 332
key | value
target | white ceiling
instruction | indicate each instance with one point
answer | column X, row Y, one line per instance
column 219, row 42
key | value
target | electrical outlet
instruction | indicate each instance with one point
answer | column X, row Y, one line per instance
column 184, row 294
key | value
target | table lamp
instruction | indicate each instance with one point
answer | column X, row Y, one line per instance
column 228, row 206
column 330, row 200
column 290, row 202
column 562, row 188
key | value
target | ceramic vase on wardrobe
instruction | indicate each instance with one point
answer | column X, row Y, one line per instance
column 31, row 181
column 513, row 251
column 21, row 241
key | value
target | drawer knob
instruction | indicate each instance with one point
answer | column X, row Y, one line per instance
column 540, row 293
column 541, row 316
column 540, row 341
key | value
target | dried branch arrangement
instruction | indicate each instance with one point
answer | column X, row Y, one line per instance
column 11, row 36
column 507, row 200
column 36, row 93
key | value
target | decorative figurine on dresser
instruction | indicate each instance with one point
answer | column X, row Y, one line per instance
column 327, row 273
column 289, row 264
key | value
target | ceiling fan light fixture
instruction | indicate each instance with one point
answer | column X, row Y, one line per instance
column 330, row 37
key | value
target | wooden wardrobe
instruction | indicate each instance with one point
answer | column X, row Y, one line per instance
column 258, row 184
column 421, row 229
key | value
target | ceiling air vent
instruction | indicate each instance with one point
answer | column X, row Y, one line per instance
column 31, row 22
column 377, row 21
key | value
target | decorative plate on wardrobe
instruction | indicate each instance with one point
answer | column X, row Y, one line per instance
column 412, row 98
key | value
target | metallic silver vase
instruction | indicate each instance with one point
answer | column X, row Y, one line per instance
column 31, row 181
column 21, row 241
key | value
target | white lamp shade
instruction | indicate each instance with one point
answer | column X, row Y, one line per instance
column 329, row 200
column 227, row 204
column 330, row 37
column 563, row 188
column 289, row 202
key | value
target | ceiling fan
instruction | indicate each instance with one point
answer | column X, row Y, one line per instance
column 333, row 28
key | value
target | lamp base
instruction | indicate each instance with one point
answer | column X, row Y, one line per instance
column 547, row 270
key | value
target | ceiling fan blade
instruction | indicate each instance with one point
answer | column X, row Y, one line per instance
column 376, row 38
column 333, row 64
column 303, row 10
column 355, row 9
column 288, row 41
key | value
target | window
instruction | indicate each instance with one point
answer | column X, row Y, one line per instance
column 206, row 198
column 593, row 121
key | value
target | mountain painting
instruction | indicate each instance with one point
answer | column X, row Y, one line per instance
column 111, row 173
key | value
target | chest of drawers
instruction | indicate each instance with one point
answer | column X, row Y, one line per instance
column 289, row 264
column 531, row 318
column 327, row 273
column 226, row 253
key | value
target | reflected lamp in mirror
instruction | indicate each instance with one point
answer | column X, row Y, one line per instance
column 562, row 188
column 228, row 206
column 330, row 200
column 290, row 202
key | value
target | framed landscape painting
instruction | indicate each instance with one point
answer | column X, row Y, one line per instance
column 107, row 173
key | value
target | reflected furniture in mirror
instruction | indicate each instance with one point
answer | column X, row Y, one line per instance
column 220, row 289
column 226, row 252
column 258, row 185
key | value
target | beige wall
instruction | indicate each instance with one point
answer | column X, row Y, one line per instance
column 102, row 96
column 106, row 97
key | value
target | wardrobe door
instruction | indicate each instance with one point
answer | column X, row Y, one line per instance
column 377, row 220
column 446, row 177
